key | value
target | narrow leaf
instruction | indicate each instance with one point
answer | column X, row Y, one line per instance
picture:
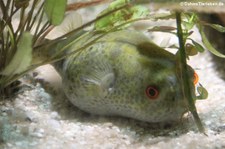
column 203, row 93
column 198, row 46
column 208, row 44
column 162, row 16
column 22, row 58
column 190, row 20
column 187, row 25
column 162, row 28
column 217, row 27
column 11, row 35
column 21, row 3
column 55, row 10
column 70, row 22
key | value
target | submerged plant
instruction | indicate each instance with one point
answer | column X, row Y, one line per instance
column 20, row 45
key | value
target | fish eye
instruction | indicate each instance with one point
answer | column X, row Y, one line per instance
column 152, row 92
column 196, row 78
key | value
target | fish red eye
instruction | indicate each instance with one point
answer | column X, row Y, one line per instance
column 152, row 92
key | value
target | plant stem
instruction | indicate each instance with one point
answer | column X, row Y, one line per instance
column 184, row 75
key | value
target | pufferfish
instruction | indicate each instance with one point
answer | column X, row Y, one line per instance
column 124, row 74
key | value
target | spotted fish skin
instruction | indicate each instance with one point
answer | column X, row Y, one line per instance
column 111, row 76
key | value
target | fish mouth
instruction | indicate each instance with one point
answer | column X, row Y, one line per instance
column 179, row 108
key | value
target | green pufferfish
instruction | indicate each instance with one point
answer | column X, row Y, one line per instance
column 124, row 74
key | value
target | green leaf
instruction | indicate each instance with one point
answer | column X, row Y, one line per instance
column 21, row 3
column 203, row 93
column 22, row 58
column 198, row 46
column 217, row 27
column 121, row 16
column 11, row 35
column 55, row 10
column 139, row 11
column 118, row 3
column 190, row 49
column 187, row 25
column 162, row 16
column 162, row 29
column 190, row 21
column 208, row 45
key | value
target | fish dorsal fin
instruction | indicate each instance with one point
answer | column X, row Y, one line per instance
column 143, row 44
column 71, row 21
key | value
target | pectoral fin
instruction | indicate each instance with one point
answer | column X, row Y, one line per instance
column 99, row 78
